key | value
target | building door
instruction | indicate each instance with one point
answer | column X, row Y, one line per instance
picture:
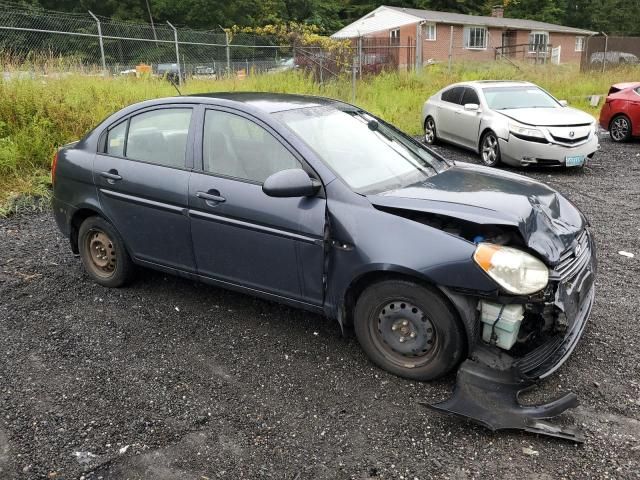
column 508, row 43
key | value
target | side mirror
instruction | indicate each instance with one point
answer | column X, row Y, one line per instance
column 294, row 182
column 471, row 107
column 564, row 103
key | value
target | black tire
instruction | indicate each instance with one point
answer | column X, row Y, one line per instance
column 103, row 253
column 386, row 307
column 620, row 129
column 430, row 134
column 490, row 149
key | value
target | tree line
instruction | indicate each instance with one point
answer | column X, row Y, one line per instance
column 620, row 17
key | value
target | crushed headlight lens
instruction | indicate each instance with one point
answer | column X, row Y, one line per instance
column 514, row 270
column 525, row 131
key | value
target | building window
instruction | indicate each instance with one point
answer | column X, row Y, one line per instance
column 579, row 44
column 394, row 36
column 475, row 37
column 538, row 42
column 430, row 32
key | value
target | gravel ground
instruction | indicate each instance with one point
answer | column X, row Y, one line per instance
column 169, row 379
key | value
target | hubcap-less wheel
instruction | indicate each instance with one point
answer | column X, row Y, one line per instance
column 490, row 150
column 620, row 129
column 102, row 253
column 430, row 131
column 404, row 334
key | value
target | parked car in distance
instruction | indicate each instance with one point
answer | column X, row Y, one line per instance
column 620, row 113
column 517, row 123
column 613, row 57
column 322, row 206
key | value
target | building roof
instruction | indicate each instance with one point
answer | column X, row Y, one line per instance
column 384, row 18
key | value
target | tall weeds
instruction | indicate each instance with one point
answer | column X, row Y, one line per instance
column 41, row 108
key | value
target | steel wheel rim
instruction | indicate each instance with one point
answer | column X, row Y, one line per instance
column 620, row 128
column 404, row 334
column 489, row 150
column 430, row 131
column 102, row 253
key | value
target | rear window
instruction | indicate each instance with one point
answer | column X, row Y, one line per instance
column 613, row 90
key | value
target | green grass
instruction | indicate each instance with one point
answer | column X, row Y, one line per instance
column 37, row 114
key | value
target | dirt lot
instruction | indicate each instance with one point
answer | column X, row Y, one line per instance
column 169, row 379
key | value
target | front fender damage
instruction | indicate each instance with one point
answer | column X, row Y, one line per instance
column 489, row 383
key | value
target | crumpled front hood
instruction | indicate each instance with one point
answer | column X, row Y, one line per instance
column 549, row 117
column 547, row 221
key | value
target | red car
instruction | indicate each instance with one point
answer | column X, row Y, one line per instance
column 620, row 113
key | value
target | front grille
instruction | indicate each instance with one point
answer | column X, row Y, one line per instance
column 569, row 141
column 573, row 259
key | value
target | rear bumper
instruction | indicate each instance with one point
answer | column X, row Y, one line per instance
column 62, row 213
column 518, row 152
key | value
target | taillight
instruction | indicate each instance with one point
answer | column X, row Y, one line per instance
column 54, row 165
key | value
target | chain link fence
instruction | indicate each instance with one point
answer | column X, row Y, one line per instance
column 32, row 36
column 602, row 52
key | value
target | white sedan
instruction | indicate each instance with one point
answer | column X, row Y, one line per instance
column 517, row 123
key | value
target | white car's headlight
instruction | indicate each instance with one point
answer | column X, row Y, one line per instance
column 525, row 131
column 514, row 270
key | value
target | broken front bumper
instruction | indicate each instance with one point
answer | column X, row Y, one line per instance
column 490, row 381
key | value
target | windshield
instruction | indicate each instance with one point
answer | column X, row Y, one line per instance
column 369, row 155
column 505, row 98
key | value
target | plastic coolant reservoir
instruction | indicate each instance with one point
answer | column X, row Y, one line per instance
column 505, row 330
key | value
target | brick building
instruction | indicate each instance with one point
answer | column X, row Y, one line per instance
column 423, row 35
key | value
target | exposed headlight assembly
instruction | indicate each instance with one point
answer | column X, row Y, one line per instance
column 522, row 131
column 514, row 270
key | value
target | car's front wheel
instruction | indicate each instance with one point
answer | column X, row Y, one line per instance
column 103, row 254
column 430, row 137
column 620, row 129
column 490, row 149
column 409, row 330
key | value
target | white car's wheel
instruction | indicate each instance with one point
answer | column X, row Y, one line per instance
column 430, row 131
column 490, row 149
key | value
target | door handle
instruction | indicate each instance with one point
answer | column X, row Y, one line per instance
column 211, row 197
column 111, row 176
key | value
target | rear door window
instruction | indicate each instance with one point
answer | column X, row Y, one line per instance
column 159, row 136
column 452, row 95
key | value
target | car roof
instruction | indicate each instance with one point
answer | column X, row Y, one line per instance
column 497, row 83
column 624, row 85
column 272, row 102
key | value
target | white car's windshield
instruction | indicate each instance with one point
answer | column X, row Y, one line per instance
column 369, row 155
column 505, row 98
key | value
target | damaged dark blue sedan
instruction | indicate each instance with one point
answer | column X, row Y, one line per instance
column 320, row 205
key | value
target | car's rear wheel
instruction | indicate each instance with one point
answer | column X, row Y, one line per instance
column 103, row 254
column 408, row 330
column 430, row 136
column 490, row 149
column 620, row 129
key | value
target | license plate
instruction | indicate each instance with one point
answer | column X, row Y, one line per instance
column 577, row 161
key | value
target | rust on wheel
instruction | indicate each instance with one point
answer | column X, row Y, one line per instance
column 102, row 253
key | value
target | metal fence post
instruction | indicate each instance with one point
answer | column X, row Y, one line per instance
column 604, row 56
column 104, row 62
column 450, row 48
column 228, row 52
column 175, row 38
column 360, row 56
column 419, row 46
column 353, row 81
